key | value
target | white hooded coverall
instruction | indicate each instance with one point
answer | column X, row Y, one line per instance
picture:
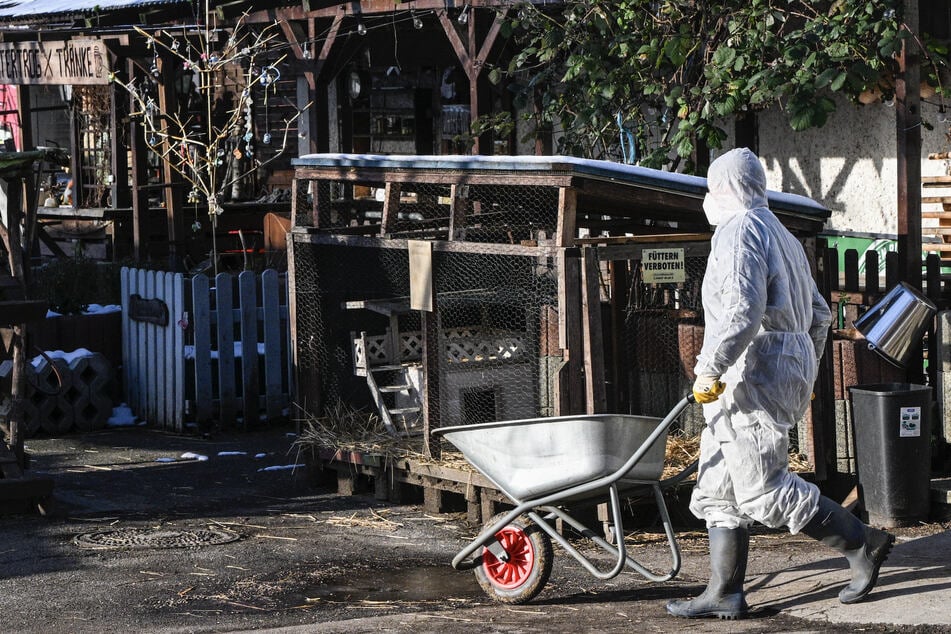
column 765, row 326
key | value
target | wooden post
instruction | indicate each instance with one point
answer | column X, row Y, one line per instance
column 10, row 200
column 27, row 142
column 391, row 208
column 567, row 217
column 821, row 440
column 472, row 56
column 140, row 177
column 908, row 154
column 168, row 103
column 431, row 357
column 595, row 398
column 458, row 208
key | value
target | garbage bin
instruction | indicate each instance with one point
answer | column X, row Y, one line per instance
column 892, row 426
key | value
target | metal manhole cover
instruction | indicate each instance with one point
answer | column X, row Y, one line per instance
column 156, row 538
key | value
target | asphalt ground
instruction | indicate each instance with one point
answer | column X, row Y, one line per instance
column 147, row 536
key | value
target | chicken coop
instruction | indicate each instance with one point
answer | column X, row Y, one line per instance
column 452, row 290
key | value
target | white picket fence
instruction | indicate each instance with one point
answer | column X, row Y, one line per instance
column 216, row 356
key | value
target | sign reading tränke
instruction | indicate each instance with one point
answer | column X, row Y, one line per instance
column 663, row 266
column 78, row 62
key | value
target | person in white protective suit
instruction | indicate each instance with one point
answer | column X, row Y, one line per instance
column 765, row 327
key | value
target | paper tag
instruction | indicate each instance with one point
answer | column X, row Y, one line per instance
column 910, row 422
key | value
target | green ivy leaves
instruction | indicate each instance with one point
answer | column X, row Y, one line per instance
column 677, row 70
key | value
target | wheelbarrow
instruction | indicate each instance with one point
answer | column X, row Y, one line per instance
column 543, row 464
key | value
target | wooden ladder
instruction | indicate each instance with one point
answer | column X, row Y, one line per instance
column 391, row 380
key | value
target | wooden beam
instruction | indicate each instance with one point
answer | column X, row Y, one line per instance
column 140, row 196
column 454, row 40
column 567, row 209
column 458, row 206
column 595, row 396
column 908, row 154
column 391, row 208
column 168, row 103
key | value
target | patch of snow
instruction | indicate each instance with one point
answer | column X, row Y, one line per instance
column 189, row 455
column 69, row 357
column 282, row 467
column 122, row 416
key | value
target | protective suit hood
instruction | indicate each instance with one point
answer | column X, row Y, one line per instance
column 736, row 182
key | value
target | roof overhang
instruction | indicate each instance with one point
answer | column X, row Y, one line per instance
column 603, row 187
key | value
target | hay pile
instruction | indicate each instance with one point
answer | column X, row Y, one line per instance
column 348, row 429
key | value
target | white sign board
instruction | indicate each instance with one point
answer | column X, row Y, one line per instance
column 75, row 62
column 663, row 266
column 910, row 422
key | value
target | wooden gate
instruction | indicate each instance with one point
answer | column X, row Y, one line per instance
column 211, row 355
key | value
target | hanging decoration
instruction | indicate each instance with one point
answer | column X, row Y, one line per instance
column 212, row 147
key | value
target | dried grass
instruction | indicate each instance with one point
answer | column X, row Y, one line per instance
column 348, row 429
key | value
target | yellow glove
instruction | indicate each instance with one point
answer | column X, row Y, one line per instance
column 707, row 388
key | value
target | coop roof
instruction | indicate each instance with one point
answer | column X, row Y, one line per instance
column 22, row 8
column 600, row 184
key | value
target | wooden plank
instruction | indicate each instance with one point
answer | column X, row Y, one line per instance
column 936, row 181
column 224, row 316
column 178, row 351
column 140, row 353
column 851, row 270
column 891, row 269
column 565, row 234
column 458, row 207
column 391, row 208
column 593, row 337
column 247, row 298
column 151, row 355
column 571, row 310
column 871, row 272
column 378, row 176
column 619, row 377
column 431, row 324
column 293, row 362
column 201, row 332
column 646, row 238
column 126, row 275
column 271, row 305
column 163, row 357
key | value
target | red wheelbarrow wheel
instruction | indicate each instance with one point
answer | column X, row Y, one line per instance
column 523, row 576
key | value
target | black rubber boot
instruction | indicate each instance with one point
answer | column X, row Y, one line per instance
column 865, row 548
column 724, row 597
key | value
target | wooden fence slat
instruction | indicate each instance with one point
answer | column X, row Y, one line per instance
column 247, row 302
column 851, row 270
column 225, row 340
column 147, row 345
column 933, row 277
column 177, row 350
column 125, row 283
column 162, row 364
column 871, row 272
column 154, row 364
column 201, row 329
column 891, row 269
column 271, row 305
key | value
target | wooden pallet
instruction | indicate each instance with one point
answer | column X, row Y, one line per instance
column 394, row 480
column 402, row 480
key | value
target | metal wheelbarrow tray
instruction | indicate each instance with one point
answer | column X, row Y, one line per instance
column 545, row 463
